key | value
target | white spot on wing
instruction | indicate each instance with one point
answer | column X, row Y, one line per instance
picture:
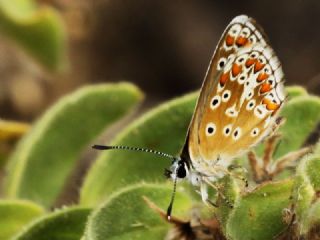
column 251, row 104
column 226, row 95
column 210, row 129
column 221, row 63
column 260, row 111
column 254, row 132
column 215, row 102
column 234, row 30
column 231, row 111
column 227, row 130
column 236, row 133
column 242, row 78
column 245, row 32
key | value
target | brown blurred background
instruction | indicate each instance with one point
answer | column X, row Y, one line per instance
column 162, row 46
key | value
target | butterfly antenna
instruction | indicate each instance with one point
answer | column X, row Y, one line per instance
column 104, row 147
column 169, row 210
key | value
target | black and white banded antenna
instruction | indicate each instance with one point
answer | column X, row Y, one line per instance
column 162, row 154
column 169, row 209
column 174, row 159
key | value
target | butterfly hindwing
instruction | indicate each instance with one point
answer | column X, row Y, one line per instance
column 239, row 99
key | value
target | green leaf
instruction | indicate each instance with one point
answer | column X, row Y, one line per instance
column 127, row 216
column 306, row 186
column 15, row 215
column 39, row 30
column 66, row 224
column 296, row 91
column 231, row 192
column 258, row 214
column 47, row 155
column 302, row 116
column 163, row 128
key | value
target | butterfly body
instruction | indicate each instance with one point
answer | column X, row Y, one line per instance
column 238, row 104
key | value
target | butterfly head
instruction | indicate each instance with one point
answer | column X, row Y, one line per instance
column 178, row 170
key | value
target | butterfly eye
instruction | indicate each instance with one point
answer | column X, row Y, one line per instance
column 236, row 133
column 221, row 63
column 251, row 104
column 226, row 95
column 215, row 102
column 254, row 132
column 210, row 129
column 181, row 170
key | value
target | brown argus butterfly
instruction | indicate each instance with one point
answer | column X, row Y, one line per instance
column 237, row 108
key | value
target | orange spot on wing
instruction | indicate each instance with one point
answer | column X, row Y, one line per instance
column 236, row 69
column 241, row 41
column 262, row 76
column 270, row 105
column 224, row 78
column 229, row 40
column 249, row 62
column 258, row 66
column 265, row 87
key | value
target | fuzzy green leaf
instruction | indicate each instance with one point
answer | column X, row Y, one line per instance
column 15, row 215
column 231, row 192
column 258, row 214
column 302, row 116
column 46, row 156
column 307, row 184
column 163, row 128
column 39, row 30
column 296, row 91
column 127, row 216
column 66, row 224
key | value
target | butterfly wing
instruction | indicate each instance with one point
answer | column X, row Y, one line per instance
column 240, row 97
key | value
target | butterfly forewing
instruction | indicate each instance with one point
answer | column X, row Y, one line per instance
column 240, row 97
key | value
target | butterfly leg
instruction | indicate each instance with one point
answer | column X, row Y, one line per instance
column 205, row 196
column 220, row 194
column 234, row 174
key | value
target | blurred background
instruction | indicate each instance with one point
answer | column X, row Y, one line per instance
column 162, row 46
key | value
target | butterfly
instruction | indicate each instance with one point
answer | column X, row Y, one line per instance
column 237, row 108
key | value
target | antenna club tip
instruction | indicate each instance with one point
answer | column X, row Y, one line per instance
column 100, row 147
column 169, row 217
